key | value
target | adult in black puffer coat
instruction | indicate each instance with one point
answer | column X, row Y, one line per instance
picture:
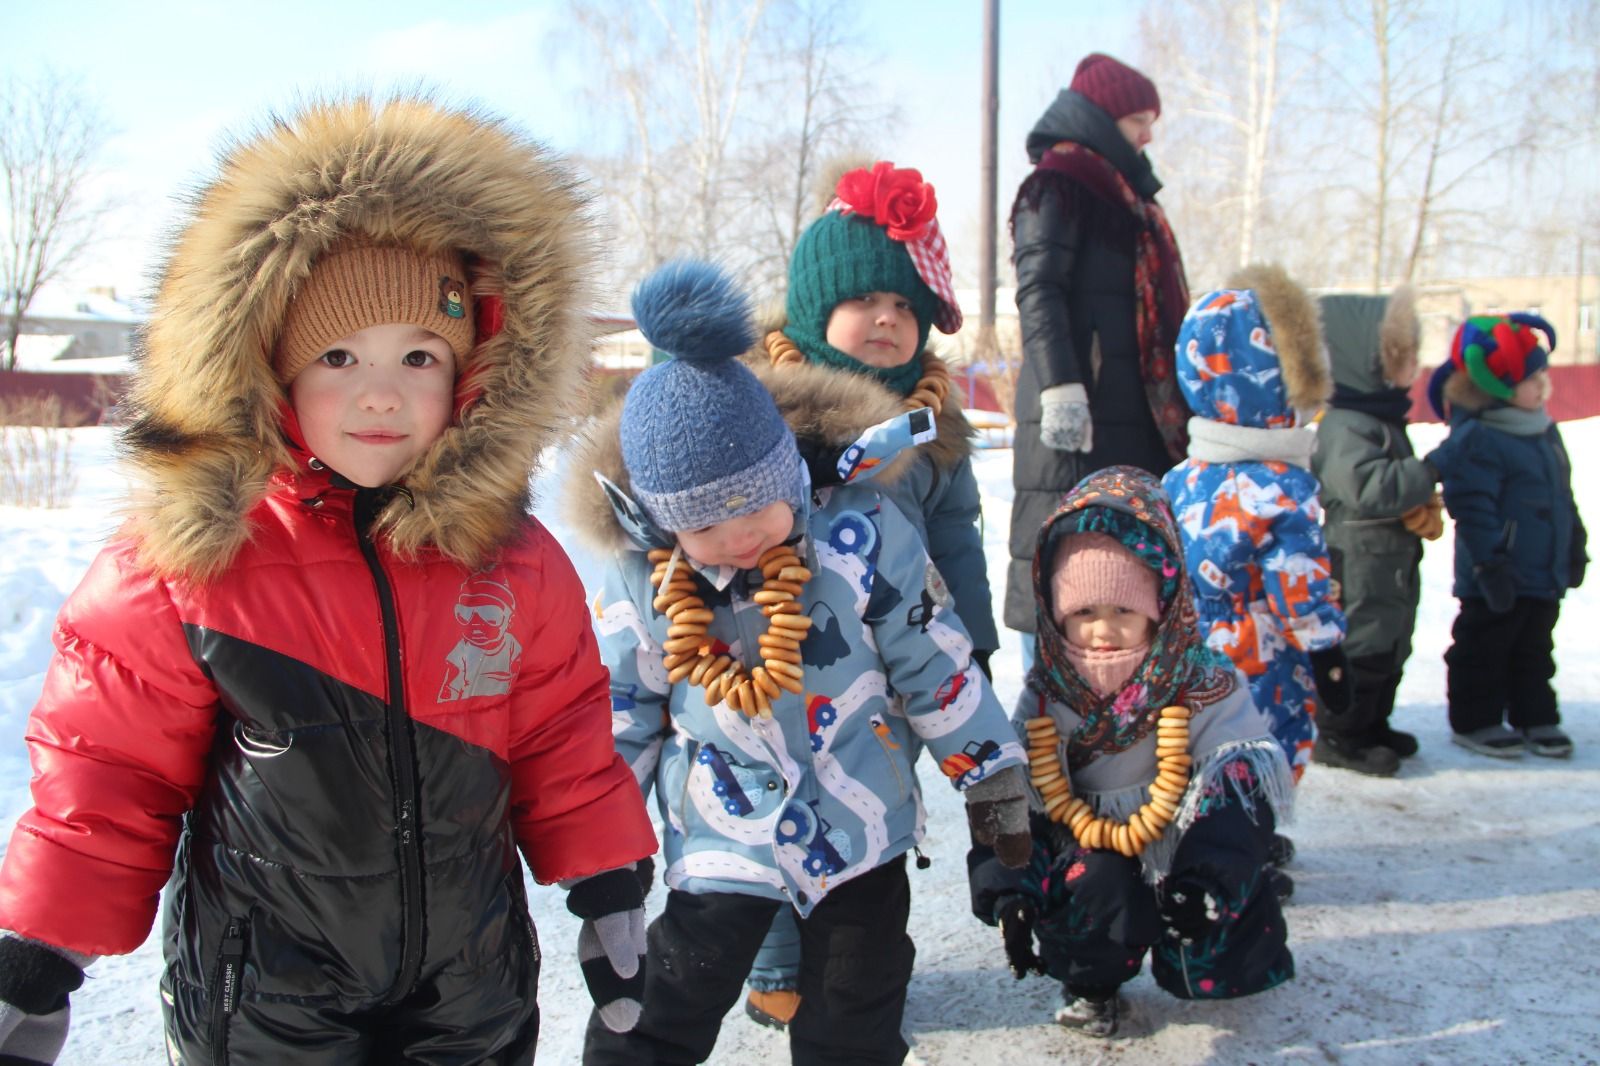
column 1100, row 294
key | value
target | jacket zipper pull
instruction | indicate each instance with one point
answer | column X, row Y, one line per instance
column 232, row 959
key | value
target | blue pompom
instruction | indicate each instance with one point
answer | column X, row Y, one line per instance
column 694, row 311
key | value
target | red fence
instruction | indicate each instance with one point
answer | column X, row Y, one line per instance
column 85, row 398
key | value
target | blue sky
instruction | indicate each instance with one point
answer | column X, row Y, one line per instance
column 174, row 79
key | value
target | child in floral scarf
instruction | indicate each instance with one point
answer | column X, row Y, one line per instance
column 1156, row 782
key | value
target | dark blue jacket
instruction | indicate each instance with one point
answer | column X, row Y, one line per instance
column 1511, row 497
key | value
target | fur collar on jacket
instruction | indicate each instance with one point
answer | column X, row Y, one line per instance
column 207, row 435
column 824, row 408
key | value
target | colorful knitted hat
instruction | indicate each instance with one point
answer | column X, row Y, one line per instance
column 356, row 284
column 1499, row 352
column 879, row 234
column 1094, row 568
column 1114, row 87
column 702, row 439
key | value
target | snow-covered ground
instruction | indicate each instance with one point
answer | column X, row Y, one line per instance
column 1446, row 916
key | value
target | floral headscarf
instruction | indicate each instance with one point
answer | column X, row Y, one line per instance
column 1126, row 503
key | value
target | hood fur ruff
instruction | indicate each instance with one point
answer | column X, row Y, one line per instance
column 1462, row 393
column 206, row 437
column 1400, row 332
column 824, row 408
column 1296, row 333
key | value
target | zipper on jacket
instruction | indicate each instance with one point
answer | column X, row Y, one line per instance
column 230, row 963
column 401, row 752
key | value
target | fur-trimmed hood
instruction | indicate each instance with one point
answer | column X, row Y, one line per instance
column 1370, row 338
column 1252, row 354
column 208, row 434
column 828, row 410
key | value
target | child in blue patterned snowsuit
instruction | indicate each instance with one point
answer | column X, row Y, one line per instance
column 1252, row 367
column 811, row 801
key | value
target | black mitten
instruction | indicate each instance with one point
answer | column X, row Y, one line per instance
column 1188, row 909
column 35, row 980
column 1498, row 584
column 1330, row 668
column 981, row 657
column 1016, row 915
column 611, row 941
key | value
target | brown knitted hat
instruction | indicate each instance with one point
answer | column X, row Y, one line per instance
column 1114, row 87
column 355, row 285
column 1093, row 568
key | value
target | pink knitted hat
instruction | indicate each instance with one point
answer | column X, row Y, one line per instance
column 1092, row 568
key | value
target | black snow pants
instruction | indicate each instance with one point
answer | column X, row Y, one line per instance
column 1498, row 667
column 855, row 964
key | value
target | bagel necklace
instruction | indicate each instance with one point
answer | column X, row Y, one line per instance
column 689, row 655
column 1144, row 826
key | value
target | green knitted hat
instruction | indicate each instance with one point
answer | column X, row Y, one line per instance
column 840, row 256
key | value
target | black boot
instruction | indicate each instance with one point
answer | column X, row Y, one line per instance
column 1401, row 743
column 1373, row 760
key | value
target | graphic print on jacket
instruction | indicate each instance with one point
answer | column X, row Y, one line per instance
column 485, row 660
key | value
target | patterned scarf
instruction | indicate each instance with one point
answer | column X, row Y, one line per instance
column 1126, row 503
column 1160, row 291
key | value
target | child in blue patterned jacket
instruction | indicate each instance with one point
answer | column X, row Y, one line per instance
column 779, row 657
column 1253, row 370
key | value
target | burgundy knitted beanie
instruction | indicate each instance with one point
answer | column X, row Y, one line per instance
column 1114, row 87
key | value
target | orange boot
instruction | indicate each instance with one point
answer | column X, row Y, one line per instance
column 774, row 1009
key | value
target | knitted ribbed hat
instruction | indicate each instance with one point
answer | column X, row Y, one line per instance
column 842, row 256
column 355, row 285
column 1094, row 568
column 1114, row 87
column 702, row 439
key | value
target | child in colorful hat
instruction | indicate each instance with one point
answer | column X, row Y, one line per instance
column 779, row 655
column 1157, row 784
column 1520, row 543
column 868, row 281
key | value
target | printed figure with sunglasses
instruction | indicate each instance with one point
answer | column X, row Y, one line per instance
column 485, row 661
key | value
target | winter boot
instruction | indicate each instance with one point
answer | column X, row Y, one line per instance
column 774, row 1008
column 1092, row 1015
column 1549, row 741
column 1398, row 741
column 1373, row 760
column 1497, row 741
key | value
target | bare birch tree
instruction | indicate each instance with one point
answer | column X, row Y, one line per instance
column 50, row 138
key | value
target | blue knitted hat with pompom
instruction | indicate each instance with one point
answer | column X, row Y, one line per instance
column 702, row 439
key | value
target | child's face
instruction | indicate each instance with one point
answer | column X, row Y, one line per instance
column 876, row 328
column 1105, row 627
column 1532, row 391
column 376, row 400
column 739, row 541
column 1136, row 128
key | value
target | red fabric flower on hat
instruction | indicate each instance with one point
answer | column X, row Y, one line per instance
column 898, row 200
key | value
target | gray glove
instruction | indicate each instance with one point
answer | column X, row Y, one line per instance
column 35, row 980
column 1064, row 423
column 611, row 941
column 997, row 813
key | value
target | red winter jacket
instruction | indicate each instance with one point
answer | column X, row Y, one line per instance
column 326, row 711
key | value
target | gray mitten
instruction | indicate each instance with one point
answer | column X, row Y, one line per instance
column 1064, row 422
column 997, row 813
column 611, row 941
column 35, row 980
